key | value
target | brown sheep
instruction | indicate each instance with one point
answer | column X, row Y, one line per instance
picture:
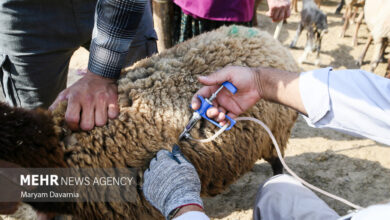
column 154, row 98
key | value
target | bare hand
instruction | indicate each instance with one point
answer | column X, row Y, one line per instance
column 278, row 9
column 91, row 100
column 247, row 95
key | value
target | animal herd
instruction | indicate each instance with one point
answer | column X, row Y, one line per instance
column 374, row 12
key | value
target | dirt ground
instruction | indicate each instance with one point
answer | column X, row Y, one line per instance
column 356, row 169
column 353, row 168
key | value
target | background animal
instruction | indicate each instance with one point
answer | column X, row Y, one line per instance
column 255, row 23
column 154, row 97
column 316, row 25
column 388, row 69
column 378, row 22
column 351, row 10
column 294, row 4
column 340, row 6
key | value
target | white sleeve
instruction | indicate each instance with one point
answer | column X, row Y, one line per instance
column 193, row 215
column 352, row 101
column 377, row 212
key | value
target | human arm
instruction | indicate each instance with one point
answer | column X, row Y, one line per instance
column 171, row 183
column 93, row 98
column 252, row 85
column 351, row 101
column 278, row 10
column 377, row 212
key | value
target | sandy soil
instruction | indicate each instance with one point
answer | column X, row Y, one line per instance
column 356, row 169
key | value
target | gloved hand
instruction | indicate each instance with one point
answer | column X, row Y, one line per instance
column 171, row 182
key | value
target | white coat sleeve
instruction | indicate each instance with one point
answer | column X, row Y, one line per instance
column 377, row 212
column 351, row 101
column 193, row 215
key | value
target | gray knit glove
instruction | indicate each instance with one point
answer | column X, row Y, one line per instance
column 171, row 182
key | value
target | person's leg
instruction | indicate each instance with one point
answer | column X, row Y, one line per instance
column 37, row 39
column 282, row 197
column 35, row 81
column 144, row 44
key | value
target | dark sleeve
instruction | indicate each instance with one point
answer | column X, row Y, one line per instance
column 116, row 23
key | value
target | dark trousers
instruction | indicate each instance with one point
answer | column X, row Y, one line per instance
column 37, row 40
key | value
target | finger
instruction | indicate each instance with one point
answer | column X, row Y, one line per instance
column 276, row 15
column 222, row 109
column 61, row 97
column 268, row 13
column 113, row 107
column 229, row 104
column 221, row 118
column 101, row 111
column 205, row 92
column 216, row 114
column 271, row 13
column 226, row 120
column 161, row 155
column 195, row 102
column 283, row 13
column 212, row 112
column 82, row 72
column 87, row 115
column 217, row 77
column 72, row 114
column 152, row 163
column 288, row 13
column 232, row 115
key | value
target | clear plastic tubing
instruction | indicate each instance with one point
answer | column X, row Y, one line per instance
column 281, row 159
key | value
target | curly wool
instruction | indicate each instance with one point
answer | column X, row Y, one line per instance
column 154, row 97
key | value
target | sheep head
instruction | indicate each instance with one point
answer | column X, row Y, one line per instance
column 35, row 139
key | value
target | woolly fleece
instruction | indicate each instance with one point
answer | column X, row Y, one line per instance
column 154, row 98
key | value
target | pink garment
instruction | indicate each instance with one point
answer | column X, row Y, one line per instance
column 218, row 10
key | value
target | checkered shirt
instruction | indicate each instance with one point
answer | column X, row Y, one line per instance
column 116, row 23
